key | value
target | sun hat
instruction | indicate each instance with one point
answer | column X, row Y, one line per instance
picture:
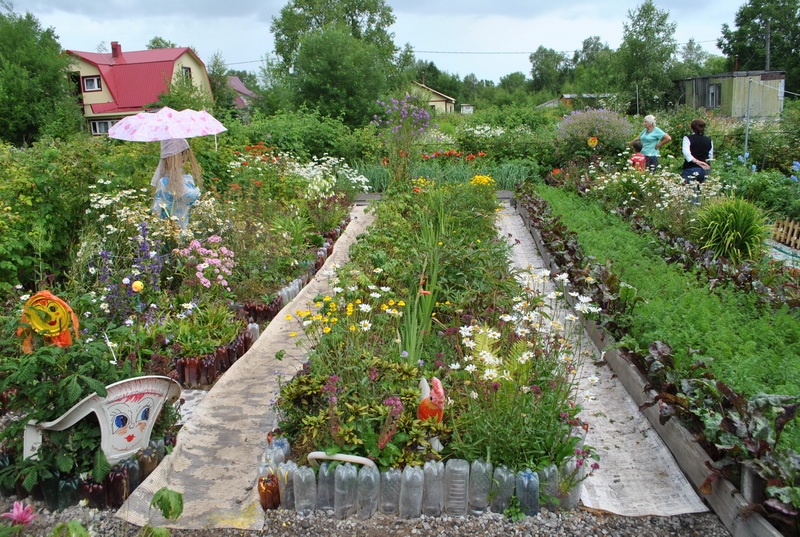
column 169, row 147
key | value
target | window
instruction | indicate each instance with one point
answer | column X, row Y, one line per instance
column 714, row 95
column 187, row 73
column 91, row 83
column 101, row 126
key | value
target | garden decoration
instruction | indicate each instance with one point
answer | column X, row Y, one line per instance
column 126, row 415
column 431, row 403
column 48, row 316
column 166, row 124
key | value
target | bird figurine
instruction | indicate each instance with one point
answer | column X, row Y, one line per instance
column 431, row 400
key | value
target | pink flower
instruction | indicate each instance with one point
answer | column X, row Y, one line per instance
column 19, row 515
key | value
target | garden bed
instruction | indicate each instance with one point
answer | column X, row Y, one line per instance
column 725, row 498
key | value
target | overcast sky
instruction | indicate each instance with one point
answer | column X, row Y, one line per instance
column 439, row 31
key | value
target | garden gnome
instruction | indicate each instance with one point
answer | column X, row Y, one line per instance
column 431, row 406
column 176, row 191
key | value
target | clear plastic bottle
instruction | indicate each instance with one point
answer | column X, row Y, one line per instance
column 503, row 486
column 305, row 490
column 433, row 488
column 369, row 482
column 345, row 490
column 283, row 444
column 275, row 455
column 570, row 499
column 325, row 487
column 389, row 503
column 480, row 483
column 528, row 492
column 456, row 481
column 548, row 486
column 286, row 471
column 411, row 485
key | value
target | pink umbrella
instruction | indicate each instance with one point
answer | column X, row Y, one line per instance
column 166, row 124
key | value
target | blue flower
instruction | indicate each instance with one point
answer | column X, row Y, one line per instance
column 793, row 178
column 795, row 166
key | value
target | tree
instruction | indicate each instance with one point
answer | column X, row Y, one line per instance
column 160, row 42
column 339, row 75
column 183, row 94
column 34, row 88
column 646, row 57
column 593, row 67
column 549, row 69
column 218, row 78
column 758, row 22
column 366, row 20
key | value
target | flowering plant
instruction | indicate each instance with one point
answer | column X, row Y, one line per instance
column 405, row 120
column 206, row 267
column 19, row 515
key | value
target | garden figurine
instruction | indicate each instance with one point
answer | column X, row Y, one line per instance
column 431, row 400
column 50, row 317
column 176, row 191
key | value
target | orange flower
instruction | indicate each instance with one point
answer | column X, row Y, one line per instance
column 470, row 157
column 481, row 153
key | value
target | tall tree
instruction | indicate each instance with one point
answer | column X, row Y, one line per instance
column 549, row 69
column 646, row 56
column 758, row 22
column 339, row 75
column 593, row 67
column 160, row 42
column 218, row 78
column 33, row 84
column 367, row 20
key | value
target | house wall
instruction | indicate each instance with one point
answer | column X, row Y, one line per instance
column 92, row 97
column 765, row 97
column 199, row 75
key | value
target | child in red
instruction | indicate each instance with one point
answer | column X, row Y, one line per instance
column 637, row 160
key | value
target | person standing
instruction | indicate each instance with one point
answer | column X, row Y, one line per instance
column 652, row 139
column 698, row 151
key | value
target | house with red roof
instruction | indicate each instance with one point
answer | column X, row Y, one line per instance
column 118, row 84
column 244, row 96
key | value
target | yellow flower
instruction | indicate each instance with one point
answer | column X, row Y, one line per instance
column 352, row 328
column 137, row 286
column 326, row 329
column 292, row 334
column 288, row 317
column 402, row 303
column 593, row 141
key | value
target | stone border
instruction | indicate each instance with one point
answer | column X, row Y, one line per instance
column 725, row 499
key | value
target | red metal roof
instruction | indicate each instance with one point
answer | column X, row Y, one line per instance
column 136, row 78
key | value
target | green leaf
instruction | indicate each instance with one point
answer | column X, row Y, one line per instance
column 73, row 528
column 94, row 385
column 64, row 461
column 149, row 531
column 101, row 466
column 169, row 502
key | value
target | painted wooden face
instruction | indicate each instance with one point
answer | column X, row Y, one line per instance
column 129, row 423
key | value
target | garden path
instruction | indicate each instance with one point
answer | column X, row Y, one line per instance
column 215, row 461
column 638, row 474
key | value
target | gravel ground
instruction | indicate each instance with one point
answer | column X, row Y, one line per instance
column 286, row 523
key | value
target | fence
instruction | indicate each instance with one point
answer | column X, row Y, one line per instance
column 787, row 232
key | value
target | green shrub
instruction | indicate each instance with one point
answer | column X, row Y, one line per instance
column 611, row 130
column 733, row 228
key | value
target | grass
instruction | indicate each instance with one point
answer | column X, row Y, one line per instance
column 753, row 349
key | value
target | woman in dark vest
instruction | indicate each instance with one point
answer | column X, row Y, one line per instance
column 698, row 151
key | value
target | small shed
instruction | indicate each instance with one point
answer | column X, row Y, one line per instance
column 437, row 102
column 728, row 93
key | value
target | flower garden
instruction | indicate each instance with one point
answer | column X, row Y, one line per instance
column 426, row 298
